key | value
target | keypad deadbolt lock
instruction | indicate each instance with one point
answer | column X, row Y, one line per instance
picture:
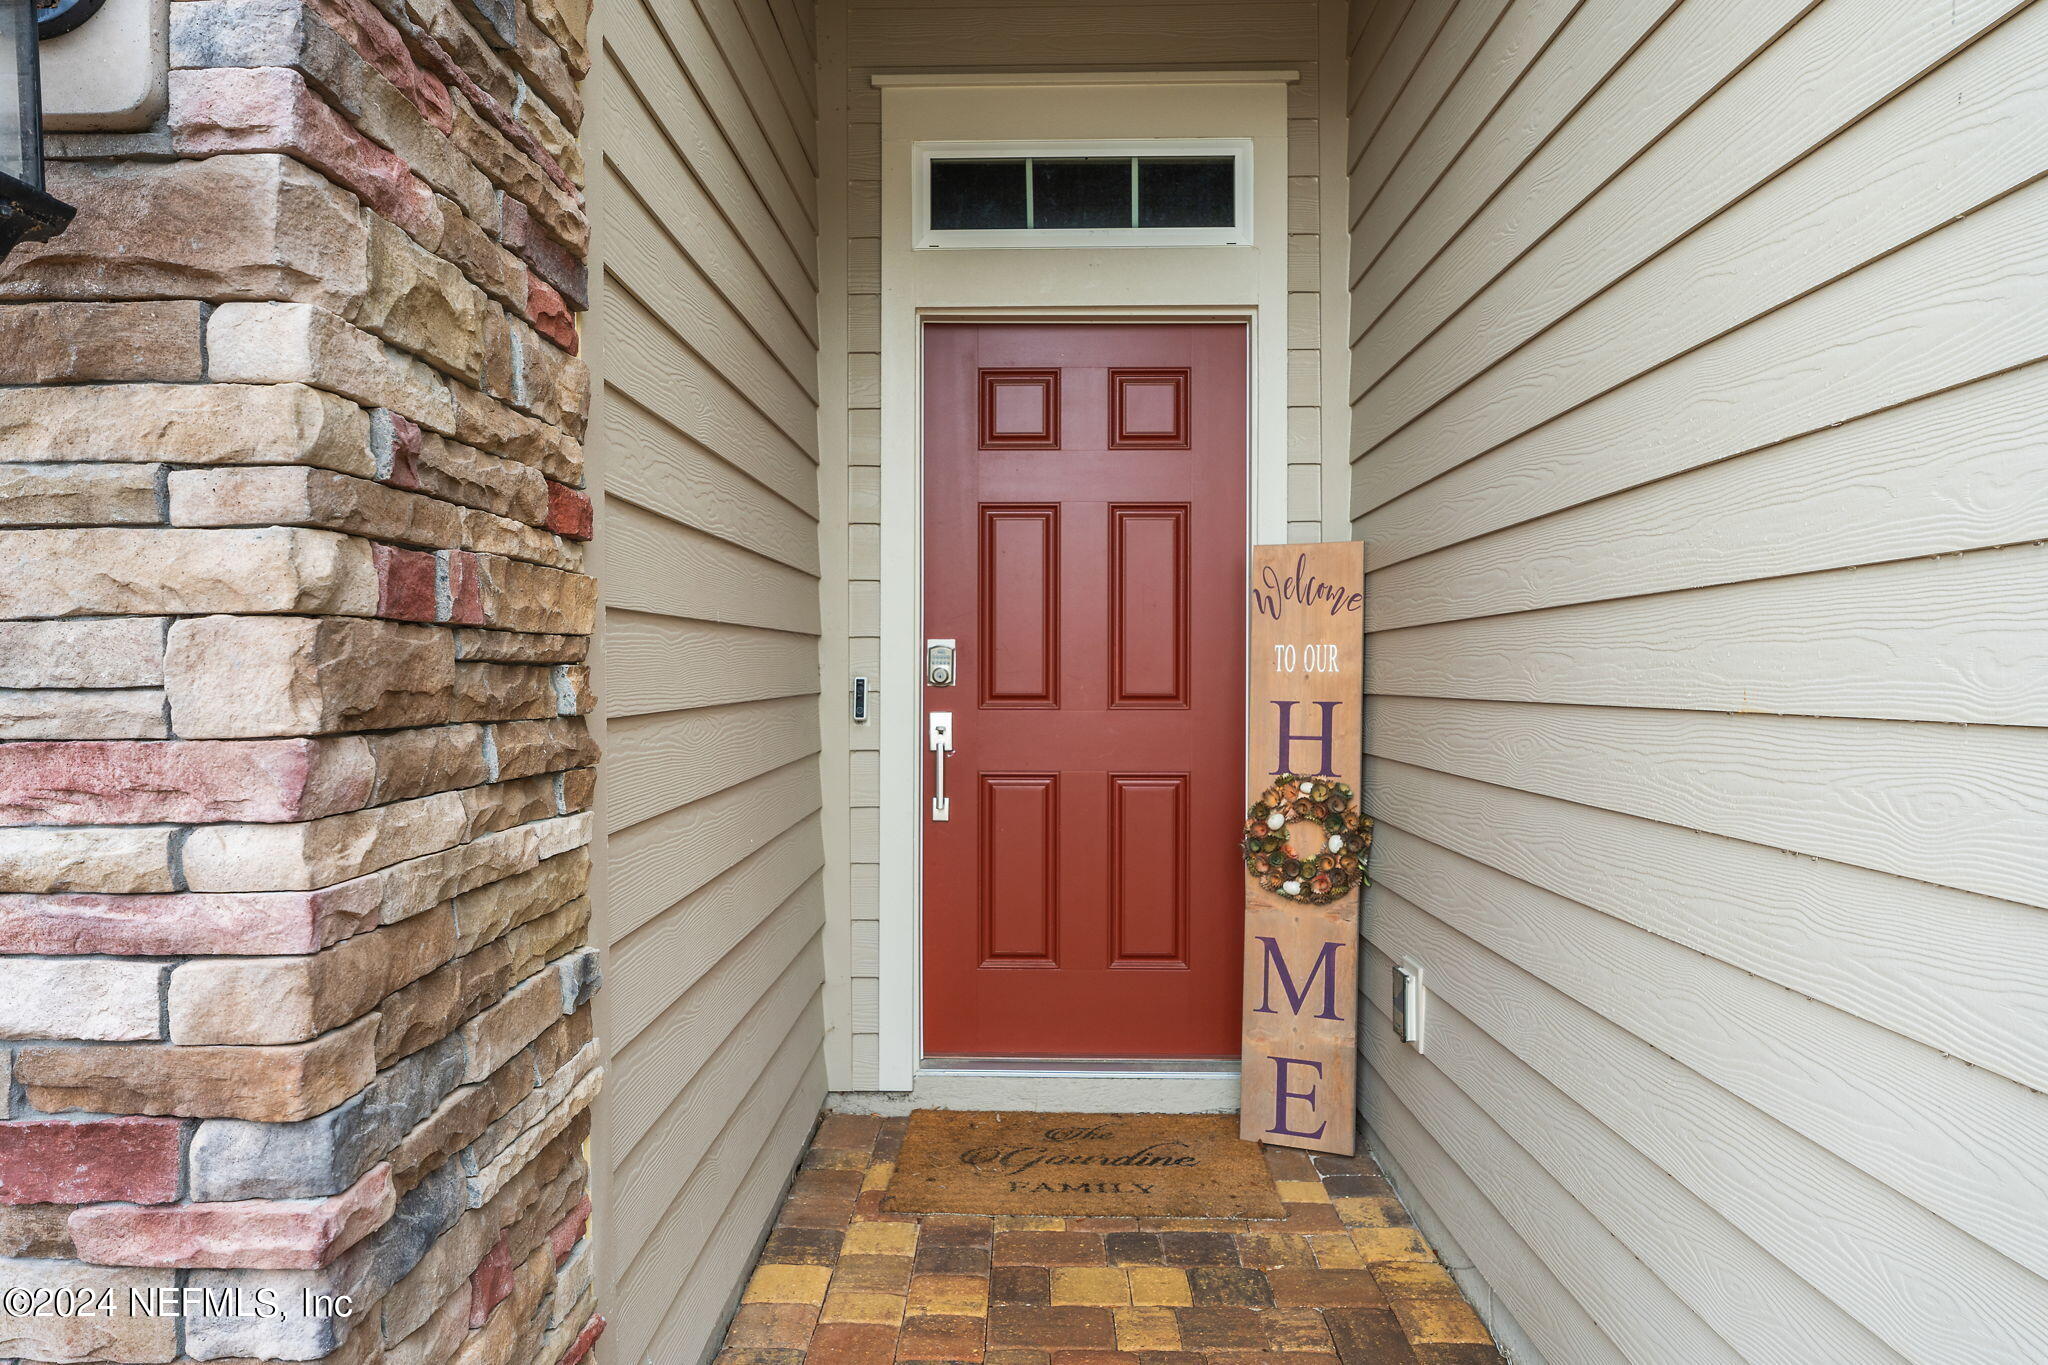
column 939, row 664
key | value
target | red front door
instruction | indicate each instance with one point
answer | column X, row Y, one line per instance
column 1084, row 548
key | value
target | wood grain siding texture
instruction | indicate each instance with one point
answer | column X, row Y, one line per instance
column 865, row 37
column 705, row 204
column 1698, row 358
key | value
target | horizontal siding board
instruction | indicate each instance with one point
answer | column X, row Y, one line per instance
column 1952, row 472
column 1517, row 1276
column 1957, row 805
column 1470, row 24
column 656, row 269
column 649, row 1070
column 1683, row 60
column 1838, row 61
column 864, row 1009
column 661, row 568
column 1958, row 638
column 652, row 360
column 770, row 1035
column 864, row 777
column 1304, row 264
column 1391, row 250
column 1671, row 257
column 1101, row 34
column 1304, row 145
column 1932, row 1293
column 1962, row 1142
column 664, row 761
column 866, row 1070
column 691, row 936
column 1760, row 1309
column 1843, row 935
column 660, row 467
column 777, row 92
column 1634, row 1308
column 658, row 862
column 866, row 954
column 1967, row 301
column 1369, row 35
column 1398, row 178
column 789, row 199
column 765, row 286
column 797, row 22
column 637, row 51
column 661, row 663
column 1304, row 204
column 1407, row 47
column 786, row 53
column 863, row 608
column 1304, row 378
column 716, row 1225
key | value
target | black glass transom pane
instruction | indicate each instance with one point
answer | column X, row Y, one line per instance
column 1105, row 193
column 1081, row 193
column 1176, row 192
column 978, row 195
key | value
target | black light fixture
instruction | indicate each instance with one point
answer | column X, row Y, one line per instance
column 27, row 213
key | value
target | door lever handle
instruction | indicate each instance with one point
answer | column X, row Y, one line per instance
column 939, row 737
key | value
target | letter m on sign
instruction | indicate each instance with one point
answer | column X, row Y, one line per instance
column 1275, row 964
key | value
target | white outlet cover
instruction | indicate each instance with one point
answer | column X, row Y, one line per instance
column 112, row 73
column 1411, row 1027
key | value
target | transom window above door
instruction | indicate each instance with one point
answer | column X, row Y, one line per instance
column 1151, row 192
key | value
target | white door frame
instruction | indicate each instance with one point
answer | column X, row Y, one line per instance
column 1237, row 283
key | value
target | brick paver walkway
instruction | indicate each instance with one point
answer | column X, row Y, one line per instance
column 1344, row 1277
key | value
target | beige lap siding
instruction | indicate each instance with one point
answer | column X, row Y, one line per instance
column 1697, row 432
column 864, row 39
column 294, row 774
column 704, row 196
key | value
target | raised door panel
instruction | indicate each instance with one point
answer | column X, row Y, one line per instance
column 1019, row 868
column 1149, row 869
column 1020, row 588
column 1148, row 597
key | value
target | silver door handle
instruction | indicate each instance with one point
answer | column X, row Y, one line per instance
column 939, row 737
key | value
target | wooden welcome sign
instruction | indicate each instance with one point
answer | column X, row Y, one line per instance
column 1305, row 842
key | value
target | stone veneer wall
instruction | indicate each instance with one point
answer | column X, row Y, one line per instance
column 293, row 865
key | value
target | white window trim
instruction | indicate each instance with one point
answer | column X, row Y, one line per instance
column 927, row 238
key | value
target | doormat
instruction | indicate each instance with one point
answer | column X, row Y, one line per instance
column 1113, row 1165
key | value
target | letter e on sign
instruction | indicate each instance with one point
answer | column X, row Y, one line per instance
column 1302, row 738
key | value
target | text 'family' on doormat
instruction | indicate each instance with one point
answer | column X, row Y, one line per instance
column 1112, row 1165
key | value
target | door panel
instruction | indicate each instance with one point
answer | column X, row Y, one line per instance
column 1149, row 858
column 1019, row 573
column 1148, row 605
column 1085, row 534
column 1019, row 846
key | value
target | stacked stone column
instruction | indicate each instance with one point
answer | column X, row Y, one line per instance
column 295, row 1037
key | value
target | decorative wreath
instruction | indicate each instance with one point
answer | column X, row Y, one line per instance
column 1335, row 869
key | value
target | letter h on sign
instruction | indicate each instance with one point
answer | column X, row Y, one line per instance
column 1288, row 739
